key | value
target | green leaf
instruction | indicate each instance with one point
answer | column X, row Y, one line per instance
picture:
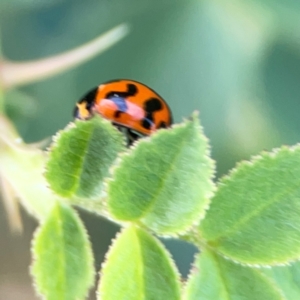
column 164, row 182
column 63, row 260
column 214, row 278
column 254, row 216
column 287, row 278
column 138, row 267
column 81, row 156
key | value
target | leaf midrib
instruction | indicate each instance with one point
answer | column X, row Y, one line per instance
column 164, row 179
column 244, row 221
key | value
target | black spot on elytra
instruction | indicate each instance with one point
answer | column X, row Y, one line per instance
column 119, row 98
column 162, row 124
column 152, row 105
column 131, row 91
column 118, row 114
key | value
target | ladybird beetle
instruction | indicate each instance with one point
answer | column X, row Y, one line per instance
column 134, row 108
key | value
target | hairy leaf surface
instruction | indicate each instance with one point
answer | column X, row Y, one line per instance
column 63, row 260
column 214, row 277
column 138, row 267
column 81, row 156
column 165, row 181
column 254, row 216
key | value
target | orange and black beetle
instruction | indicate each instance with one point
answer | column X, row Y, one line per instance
column 131, row 106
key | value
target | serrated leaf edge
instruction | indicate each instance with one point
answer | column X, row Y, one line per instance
column 55, row 140
column 159, row 244
column 255, row 268
column 147, row 139
column 37, row 290
column 230, row 176
column 256, row 265
column 255, row 159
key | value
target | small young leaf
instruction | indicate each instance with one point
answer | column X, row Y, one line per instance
column 63, row 260
column 138, row 267
column 81, row 157
column 164, row 182
column 254, row 216
column 215, row 278
column 287, row 278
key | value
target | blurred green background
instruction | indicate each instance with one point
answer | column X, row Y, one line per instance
column 237, row 62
